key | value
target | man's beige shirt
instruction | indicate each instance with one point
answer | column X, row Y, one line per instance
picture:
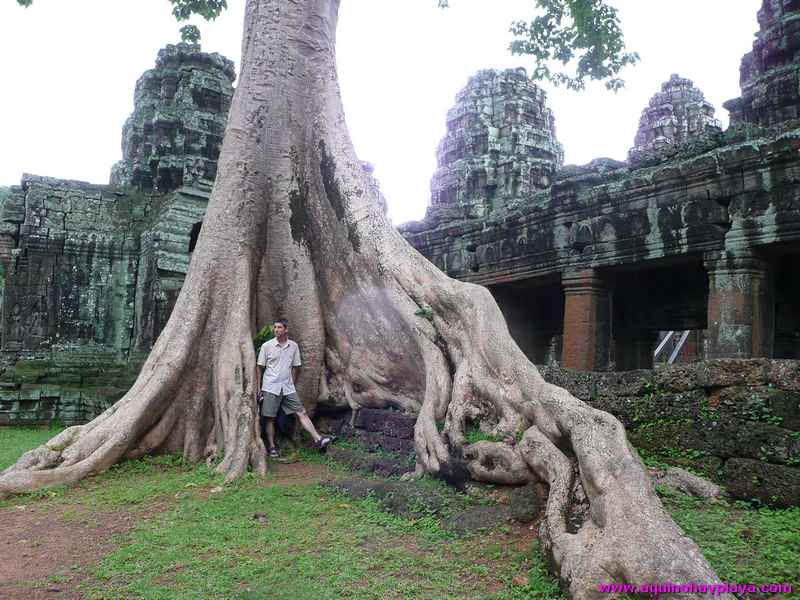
column 278, row 360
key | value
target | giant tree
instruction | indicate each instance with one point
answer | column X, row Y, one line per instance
column 294, row 214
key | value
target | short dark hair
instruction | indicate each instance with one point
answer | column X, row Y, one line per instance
column 283, row 322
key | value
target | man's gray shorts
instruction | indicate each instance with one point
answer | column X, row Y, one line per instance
column 290, row 404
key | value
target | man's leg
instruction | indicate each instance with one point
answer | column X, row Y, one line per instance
column 270, row 432
column 292, row 405
column 269, row 409
column 308, row 426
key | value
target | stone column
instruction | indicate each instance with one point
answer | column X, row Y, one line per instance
column 741, row 307
column 586, row 321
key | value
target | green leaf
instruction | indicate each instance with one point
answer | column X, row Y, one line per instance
column 208, row 9
column 190, row 34
column 584, row 36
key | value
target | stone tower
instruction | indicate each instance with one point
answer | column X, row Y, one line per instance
column 499, row 147
column 678, row 113
column 174, row 135
column 768, row 74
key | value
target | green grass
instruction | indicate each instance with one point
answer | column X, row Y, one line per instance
column 474, row 435
column 15, row 441
column 198, row 539
column 742, row 544
column 313, row 545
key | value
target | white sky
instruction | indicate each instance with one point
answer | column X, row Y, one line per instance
column 68, row 69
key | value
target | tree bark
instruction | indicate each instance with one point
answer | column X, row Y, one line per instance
column 296, row 228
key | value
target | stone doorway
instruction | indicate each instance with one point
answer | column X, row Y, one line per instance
column 534, row 312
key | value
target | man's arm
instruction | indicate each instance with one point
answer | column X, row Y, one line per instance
column 260, row 370
column 296, row 362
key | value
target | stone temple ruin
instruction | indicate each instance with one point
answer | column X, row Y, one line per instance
column 697, row 234
column 699, row 231
column 92, row 271
column 499, row 147
column 678, row 113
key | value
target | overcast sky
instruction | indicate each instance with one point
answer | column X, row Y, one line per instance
column 68, row 69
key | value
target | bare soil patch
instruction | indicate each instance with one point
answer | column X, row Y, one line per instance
column 46, row 549
column 296, row 473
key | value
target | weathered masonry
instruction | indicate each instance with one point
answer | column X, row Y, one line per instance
column 698, row 231
column 92, row 271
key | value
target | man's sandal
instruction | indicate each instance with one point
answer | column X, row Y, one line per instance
column 323, row 443
column 273, row 453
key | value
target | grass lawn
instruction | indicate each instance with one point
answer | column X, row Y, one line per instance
column 188, row 537
column 16, row 440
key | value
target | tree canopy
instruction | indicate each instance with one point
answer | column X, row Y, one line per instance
column 570, row 41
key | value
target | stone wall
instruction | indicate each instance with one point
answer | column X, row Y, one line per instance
column 386, row 430
column 91, row 272
column 63, row 386
column 736, row 421
column 69, row 252
column 92, row 265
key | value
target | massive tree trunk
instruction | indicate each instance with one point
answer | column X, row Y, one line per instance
column 296, row 228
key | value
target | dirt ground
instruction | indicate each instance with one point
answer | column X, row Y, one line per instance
column 46, row 551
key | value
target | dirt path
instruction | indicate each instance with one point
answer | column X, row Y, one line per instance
column 47, row 550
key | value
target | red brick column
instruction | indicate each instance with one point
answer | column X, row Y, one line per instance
column 586, row 321
column 741, row 307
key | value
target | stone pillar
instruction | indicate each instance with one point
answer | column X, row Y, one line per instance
column 586, row 321
column 741, row 307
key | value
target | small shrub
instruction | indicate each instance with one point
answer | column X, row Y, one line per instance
column 264, row 334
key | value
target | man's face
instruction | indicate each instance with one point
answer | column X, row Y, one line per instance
column 280, row 329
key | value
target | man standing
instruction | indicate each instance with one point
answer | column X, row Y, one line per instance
column 278, row 368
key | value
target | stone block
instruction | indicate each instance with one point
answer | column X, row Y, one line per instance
column 652, row 407
column 786, row 405
column 759, row 403
column 724, row 372
column 368, row 439
column 528, row 502
column 396, row 445
column 580, row 384
column 400, row 426
column 389, row 422
column 736, row 438
column 776, row 485
column 676, row 378
column 369, row 419
column 785, row 374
